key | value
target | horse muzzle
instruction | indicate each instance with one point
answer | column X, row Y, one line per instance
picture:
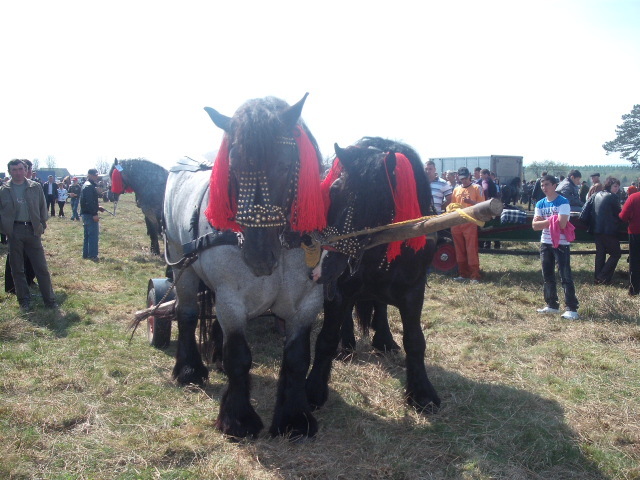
column 261, row 251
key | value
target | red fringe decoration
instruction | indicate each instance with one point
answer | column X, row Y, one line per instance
column 325, row 186
column 407, row 207
column 222, row 207
column 307, row 212
column 117, row 185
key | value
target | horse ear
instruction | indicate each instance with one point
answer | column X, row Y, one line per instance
column 390, row 163
column 346, row 157
column 115, row 161
column 220, row 120
column 291, row 115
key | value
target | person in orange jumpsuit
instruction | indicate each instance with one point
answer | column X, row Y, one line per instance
column 465, row 236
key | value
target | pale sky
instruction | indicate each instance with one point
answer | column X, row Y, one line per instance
column 90, row 80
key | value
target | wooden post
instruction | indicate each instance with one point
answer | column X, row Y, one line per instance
column 483, row 211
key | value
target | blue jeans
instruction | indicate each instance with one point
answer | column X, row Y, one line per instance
column 91, row 233
column 74, row 208
column 549, row 256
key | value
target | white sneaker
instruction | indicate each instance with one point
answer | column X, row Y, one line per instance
column 569, row 315
column 460, row 279
column 548, row 309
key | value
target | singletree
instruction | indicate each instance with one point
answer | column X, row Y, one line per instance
column 627, row 141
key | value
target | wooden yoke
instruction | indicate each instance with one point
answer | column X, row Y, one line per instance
column 483, row 211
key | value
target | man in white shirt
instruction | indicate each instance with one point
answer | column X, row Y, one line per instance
column 440, row 190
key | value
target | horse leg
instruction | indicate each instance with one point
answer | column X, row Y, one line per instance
column 152, row 231
column 189, row 367
column 236, row 417
column 347, row 338
column 317, row 386
column 420, row 393
column 292, row 415
column 382, row 338
column 217, row 340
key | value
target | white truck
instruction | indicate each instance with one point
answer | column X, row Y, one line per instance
column 506, row 167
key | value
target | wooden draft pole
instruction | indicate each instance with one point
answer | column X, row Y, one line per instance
column 483, row 211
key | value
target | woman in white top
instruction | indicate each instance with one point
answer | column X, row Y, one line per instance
column 62, row 198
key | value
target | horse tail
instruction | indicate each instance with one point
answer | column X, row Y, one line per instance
column 364, row 314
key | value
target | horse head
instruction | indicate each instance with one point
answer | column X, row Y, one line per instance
column 362, row 197
column 258, row 172
column 371, row 191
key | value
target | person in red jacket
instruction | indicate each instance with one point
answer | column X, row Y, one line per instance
column 631, row 213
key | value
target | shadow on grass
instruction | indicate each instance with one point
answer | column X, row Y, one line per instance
column 57, row 321
column 482, row 431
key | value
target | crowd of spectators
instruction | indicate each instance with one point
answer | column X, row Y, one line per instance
column 604, row 207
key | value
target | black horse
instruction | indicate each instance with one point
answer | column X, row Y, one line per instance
column 511, row 192
column 148, row 180
column 371, row 190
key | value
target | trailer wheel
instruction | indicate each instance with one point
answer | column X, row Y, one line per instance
column 158, row 329
column 444, row 260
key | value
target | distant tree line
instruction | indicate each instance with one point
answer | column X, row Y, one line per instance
column 626, row 174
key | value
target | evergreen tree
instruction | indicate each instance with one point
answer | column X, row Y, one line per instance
column 627, row 141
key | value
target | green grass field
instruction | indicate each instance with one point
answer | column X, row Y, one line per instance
column 523, row 395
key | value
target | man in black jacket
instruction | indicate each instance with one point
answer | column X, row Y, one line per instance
column 604, row 224
column 51, row 194
column 569, row 188
column 89, row 209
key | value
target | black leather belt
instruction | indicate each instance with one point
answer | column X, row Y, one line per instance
column 21, row 223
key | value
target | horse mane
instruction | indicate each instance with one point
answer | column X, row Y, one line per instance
column 141, row 172
column 422, row 183
column 254, row 126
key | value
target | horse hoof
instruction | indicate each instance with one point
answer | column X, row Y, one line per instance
column 188, row 375
column 236, row 429
column 385, row 346
column 303, row 426
column 425, row 407
column 316, row 397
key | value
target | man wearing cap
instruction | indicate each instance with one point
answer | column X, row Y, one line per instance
column 23, row 218
column 74, row 193
column 465, row 236
column 596, row 186
column 89, row 209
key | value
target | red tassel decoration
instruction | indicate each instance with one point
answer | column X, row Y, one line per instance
column 307, row 211
column 405, row 197
column 325, row 186
column 117, row 184
column 222, row 207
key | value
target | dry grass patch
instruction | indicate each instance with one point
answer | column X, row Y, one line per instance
column 524, row 396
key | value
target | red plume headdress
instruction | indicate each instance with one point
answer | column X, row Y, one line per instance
column 307, row 209
column 117, row 184
column 405, row 198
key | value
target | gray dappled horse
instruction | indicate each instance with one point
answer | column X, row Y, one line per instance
column 255, row 187
column 148, row 181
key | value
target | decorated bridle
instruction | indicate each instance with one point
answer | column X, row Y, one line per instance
column 405, row 207
column 250, row 184
column 229, row 211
